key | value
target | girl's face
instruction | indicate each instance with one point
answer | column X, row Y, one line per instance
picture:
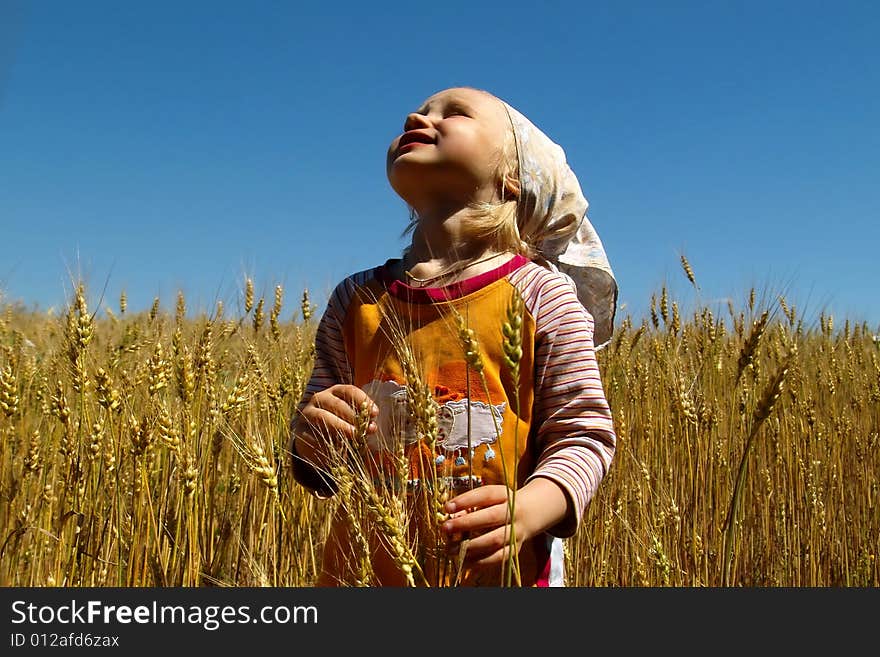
column 450, row 149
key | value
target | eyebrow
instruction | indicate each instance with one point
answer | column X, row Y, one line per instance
column 455, row 100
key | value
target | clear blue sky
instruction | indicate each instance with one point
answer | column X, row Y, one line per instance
column 160, row 146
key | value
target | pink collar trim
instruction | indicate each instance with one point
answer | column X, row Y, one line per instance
column 410, row 294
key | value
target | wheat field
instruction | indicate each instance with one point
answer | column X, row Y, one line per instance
column 150, row 448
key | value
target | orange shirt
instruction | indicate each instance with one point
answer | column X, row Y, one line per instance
column 492, row 427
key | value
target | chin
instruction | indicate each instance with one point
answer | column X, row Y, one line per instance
column 405, row 178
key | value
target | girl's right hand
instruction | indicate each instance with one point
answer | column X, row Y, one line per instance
column 328, row 417
column 332, row 413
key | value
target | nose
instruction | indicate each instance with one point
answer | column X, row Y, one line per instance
column 415, row 120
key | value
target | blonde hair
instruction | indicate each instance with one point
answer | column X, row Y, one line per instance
column 495, row 221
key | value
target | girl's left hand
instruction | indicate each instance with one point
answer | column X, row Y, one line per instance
column 482, row 514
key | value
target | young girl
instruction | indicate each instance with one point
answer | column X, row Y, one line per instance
column 467, row 367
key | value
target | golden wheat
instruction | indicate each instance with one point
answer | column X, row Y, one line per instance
column 150, row 450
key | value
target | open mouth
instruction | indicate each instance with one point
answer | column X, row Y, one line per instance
column 413, row 138
column 411, row 145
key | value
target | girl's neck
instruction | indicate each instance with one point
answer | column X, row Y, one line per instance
column 439, row 234
column 443, row 259
column 441, row 252
column 441, row 241
column 429, row 274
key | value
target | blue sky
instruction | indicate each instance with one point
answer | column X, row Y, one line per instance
column 157, row 147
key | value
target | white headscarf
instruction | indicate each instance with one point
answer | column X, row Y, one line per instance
column 552, row 220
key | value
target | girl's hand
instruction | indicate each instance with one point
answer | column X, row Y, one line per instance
column 482, row 513
column 329, row 415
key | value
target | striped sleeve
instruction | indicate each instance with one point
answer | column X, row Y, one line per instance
column 330, row 366
column 575, row 435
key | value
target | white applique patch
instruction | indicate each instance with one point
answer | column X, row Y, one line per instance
column 453, row 420
column 396, row 424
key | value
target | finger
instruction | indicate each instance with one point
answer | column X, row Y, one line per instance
column 330, row 403
column 329, row 415
column 495, row 559
column 454, row 539
column 325, row 423
column 478, row 521
column 355, row 398
column 489, row 548
column 478, row 498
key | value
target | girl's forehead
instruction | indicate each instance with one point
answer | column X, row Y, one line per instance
column 458, row 94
